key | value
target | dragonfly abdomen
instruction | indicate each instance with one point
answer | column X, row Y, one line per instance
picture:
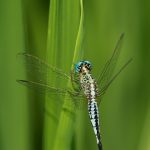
column 90, row 90
column 94, row 117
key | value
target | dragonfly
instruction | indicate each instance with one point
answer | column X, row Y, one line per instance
column 89, row 89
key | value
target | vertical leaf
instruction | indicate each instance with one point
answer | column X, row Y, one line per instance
column 63, row 45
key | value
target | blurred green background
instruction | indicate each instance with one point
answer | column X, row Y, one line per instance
column 49, row 29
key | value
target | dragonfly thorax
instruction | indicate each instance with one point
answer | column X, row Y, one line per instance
column 88, row 85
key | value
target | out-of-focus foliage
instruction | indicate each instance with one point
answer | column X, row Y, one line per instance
column 49, row 29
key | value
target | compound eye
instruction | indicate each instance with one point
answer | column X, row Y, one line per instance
column 78, row 66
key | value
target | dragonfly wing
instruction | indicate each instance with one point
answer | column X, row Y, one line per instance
column 77, row 99
column 109, row 67
column 36, row 65
column 39, row 83
column 103, row 90
column 104, row 77
column 41, row 87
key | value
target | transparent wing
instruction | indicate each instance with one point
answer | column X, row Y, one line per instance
column 43, row 87
column 36, row 65
column 37, row 69
column 105, row 78
column 109, row 67
column 76, row 99
column 103, row 90
column 106, row 74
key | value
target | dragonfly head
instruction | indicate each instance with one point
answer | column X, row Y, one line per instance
column 82, row 66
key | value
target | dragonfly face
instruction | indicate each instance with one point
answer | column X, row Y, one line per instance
column 83, row 66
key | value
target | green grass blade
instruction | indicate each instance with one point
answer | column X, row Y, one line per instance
column 63, row 45
column 66, row 122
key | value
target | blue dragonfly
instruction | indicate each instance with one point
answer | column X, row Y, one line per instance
column 88, row 88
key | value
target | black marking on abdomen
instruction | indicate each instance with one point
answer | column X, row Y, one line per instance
column 94, row 117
